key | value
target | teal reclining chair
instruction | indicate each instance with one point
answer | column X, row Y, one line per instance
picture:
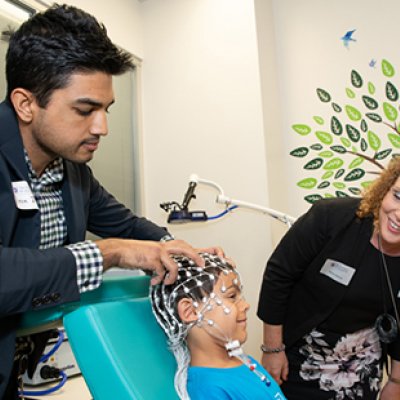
column 120, row 349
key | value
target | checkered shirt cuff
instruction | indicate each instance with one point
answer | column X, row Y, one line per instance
column 167, row 238
column 89, row 262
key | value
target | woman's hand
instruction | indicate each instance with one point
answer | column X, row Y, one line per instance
column 277, row 365
column 391, row 391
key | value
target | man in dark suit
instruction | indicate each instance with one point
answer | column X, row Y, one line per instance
column 59, row 71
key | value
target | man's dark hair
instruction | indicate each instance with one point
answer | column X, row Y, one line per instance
column 51, row 46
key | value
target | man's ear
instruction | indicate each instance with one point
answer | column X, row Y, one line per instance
column 186, row 311
column 23, row 101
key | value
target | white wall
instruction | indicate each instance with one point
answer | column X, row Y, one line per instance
column 272, row 115
column 203, row 114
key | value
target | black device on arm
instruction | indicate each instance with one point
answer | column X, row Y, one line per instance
column 179, row 213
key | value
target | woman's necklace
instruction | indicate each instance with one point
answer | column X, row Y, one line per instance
column 386, row 325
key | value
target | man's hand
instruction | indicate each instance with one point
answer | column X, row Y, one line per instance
column 150, row 256
column 217, row 251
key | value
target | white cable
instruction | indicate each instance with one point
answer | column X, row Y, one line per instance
column 227, row 201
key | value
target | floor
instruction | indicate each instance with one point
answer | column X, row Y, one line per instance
column 74, row 389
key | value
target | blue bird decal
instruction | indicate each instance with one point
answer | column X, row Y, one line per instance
column 372, row 63
column 347, row 38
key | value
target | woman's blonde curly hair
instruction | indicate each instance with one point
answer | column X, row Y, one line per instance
column 374, row 194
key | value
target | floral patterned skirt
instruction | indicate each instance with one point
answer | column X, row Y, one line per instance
column 326, row 366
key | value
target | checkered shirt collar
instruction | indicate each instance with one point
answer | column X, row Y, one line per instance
column 53, row 173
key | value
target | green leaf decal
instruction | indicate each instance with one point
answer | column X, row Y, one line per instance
column 394, row 139
column 339, row 185
column 371, row 88
column 353, row 113
column 355, row 190
column 299, row 152
column 314, row 164
column 364, row 145
column 370, row 103
column 324, row 137
column 319, row 120
column 390, row 111
column 307, row 183
column 387, row 69
column 353, row 133
column 350, row 93
column 336, row 107
column 391, row 92
column 341, row 194
column 382, row 154
column 326, row 154
column 316, row 146
column 356, row 79
column 327, row 174
column 329, row 196
column 339, row 173
column 356, row 162
column 364, row 125
column 346, row 142
column 366, row 184
column 323, row 185
column 312, row 198
column 323, row 95
column 336, row 126
column 374, row 141
column 339, row 149
column 354, row 175
column 335, row 163
column 374, row 117
column 302, row 129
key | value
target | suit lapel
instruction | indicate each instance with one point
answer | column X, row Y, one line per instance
column 11, row 145
column 12, row 168
column 73, row 203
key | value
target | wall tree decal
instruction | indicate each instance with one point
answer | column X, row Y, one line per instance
column 354, row 140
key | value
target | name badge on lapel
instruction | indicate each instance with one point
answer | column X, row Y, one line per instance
column 24, row 198
column 338, row 271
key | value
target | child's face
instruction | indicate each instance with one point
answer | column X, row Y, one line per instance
column 233, row 324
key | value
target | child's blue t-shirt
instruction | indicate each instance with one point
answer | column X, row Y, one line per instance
column 231, row 383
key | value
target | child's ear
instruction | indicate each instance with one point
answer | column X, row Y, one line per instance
column 186, row 311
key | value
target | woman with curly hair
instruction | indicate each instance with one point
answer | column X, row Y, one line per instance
column 330, row 298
